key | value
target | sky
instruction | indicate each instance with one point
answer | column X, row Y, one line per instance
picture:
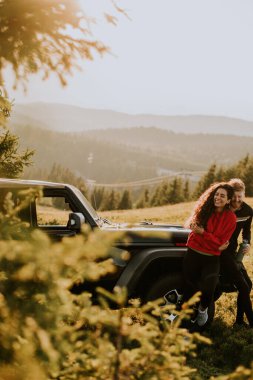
column 173, row 57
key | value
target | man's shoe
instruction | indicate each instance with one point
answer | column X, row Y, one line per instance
column 202, row 317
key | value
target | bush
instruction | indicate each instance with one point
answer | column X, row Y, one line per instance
column 44, row 325
column 48, row 333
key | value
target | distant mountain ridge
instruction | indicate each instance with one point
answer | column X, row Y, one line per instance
column 131, row 154
column 69, row 118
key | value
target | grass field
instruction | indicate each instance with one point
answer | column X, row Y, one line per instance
column 231, row 346
column 177, row 213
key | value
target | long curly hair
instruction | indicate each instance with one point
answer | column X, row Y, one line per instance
column 205, row 205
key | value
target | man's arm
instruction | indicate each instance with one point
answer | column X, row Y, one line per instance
column 246, row 230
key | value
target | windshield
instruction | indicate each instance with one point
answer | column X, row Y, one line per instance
column 87, row 205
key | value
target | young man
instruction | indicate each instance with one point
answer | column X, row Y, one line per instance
column 236, row 273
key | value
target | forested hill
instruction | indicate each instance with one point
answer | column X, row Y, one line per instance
column 67, row 118
column 131, row 154
column 199, row 147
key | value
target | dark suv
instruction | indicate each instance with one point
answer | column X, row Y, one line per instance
column 156, row 250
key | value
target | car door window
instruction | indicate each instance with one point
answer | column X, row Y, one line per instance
column 52, row 211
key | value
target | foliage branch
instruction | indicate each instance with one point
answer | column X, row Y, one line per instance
column 48, row 36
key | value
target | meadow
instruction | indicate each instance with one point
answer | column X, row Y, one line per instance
column 231, row 346
column 177, row 213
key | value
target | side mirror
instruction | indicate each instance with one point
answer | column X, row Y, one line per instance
column 76, row 220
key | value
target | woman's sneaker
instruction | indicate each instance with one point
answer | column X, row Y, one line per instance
column 202, row 317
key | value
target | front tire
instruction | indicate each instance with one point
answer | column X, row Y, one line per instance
column 163, row 285
column 170, row 289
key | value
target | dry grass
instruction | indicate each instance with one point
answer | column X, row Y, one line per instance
column 49, row 215
column 177, row 213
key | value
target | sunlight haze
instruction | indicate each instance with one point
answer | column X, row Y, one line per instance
column 174, row 57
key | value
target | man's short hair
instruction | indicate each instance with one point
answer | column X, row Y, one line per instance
column 237, row 184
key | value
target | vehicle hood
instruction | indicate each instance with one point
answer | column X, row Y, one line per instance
column 149, row 234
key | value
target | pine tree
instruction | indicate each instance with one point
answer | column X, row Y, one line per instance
column 144, row 200
column 155, row 197
column 12, row 162
column 125, row 201
column 158, row 193
column 164, row 193
column 5, row 109
column 146, row 197
column 242, row 165
column 176, row 191
column 242, row 169
column 220, row 175
column 247, row 177
column 186, row 191
column 231, row 172
column 206, row 181
column 97, row 197
column 111, row 201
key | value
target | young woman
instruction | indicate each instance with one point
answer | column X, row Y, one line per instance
column 212, row 225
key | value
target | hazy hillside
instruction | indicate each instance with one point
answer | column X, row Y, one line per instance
column 223, row 149
column 67, row 118
column 131, row 154
column 111, row 162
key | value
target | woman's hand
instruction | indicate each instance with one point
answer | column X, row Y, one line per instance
column 197, row 229
column 224, row 246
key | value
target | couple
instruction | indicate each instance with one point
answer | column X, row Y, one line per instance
column 218, row 218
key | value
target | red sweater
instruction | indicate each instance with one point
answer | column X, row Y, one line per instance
column 219, row 229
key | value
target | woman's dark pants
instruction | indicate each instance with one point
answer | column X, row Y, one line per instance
column 200, row 273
